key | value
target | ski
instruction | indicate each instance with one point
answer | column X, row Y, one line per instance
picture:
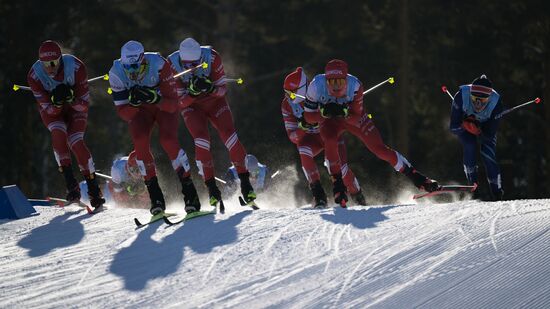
column 447, row 189
column 250, row 204
column 153, row 218
column 189, row 216
column 64, row 203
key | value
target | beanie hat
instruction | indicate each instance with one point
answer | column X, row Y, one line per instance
column 49, row 50
column 336, row 69
column 482, row 87
column 190, row 50
column 131, row 53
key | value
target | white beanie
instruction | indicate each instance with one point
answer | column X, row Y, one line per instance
column 190, row 50
column 131, row 52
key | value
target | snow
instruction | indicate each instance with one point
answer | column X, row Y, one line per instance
column 463, row 254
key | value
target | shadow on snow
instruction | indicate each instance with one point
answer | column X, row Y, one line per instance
column 361, row 218
column 147, row 259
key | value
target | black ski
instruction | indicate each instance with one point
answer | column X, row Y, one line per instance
column 250, row 204
column 447, row 189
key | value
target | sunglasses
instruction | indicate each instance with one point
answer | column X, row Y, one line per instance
column 132, row 68
column 479, row 99
column 336, row 82
column 51, row 63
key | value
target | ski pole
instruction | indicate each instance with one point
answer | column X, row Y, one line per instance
column 220, row 180
column 445, row 90
column 390, row 80
column 275, row 174
column 236, row 80
column 103, row 176
column 17, row 87
column 536, row 101
column 203, row 65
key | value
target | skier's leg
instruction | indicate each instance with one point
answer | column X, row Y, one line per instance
column 76, row 130
column 222, row 119
column 488, row 154
column 348, row 176
column 196, row 122
column 469, row 148
column 168, row 135
column 331, row 129
column 309, row 146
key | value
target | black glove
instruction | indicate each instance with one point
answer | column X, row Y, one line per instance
column 62, row 94
column 331, row 110
column 304, row 125
column 139, row 94
column 200, row 85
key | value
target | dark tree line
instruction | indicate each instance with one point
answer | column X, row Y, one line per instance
column 423, row 44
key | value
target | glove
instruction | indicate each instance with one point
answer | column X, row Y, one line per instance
column 62, row 94
column 200, row 85
column 304, row 125
column 471, row 125
column 139, row 94
column 331, row 110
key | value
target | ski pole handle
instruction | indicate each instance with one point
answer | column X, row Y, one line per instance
column 536, row 101
column 390, row 80
column 445, row 90
column 203, row 65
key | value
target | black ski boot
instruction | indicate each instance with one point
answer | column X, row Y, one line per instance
column 497, row 194
column 359, row 198
column 420, row 181
column 155, row 193
column 246, row 188
column 190, row 196
column 339, row 190
column 319, row 196
column 94, row 193
column 73, row 190
column 213, row 192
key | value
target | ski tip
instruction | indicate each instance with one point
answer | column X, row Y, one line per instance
column 222, row 207
column 136, row 221
column 474, row 187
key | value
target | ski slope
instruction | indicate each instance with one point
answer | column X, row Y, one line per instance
column 463, row 254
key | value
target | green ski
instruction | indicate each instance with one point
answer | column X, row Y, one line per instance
column 154, row 218
column 189, row 216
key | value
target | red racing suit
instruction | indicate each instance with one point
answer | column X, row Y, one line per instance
column 309, row 144
column 212, row 107
column 358, row 122
column 141, row 120
column 67, row 123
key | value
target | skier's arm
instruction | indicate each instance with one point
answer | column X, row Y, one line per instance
column 168, row 89
column 490, row 127
column 81, row 88
column 42, row 96
column 217, row 75
column 311, row 105
column 457, row 114
column 356, row 106
column 121, row 98
column 293, row 132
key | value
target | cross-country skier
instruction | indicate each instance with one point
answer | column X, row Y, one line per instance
column 203, row 100
column 145, row 94
column 309, row 143
column 60, row 86
column 259, row 175
column 335, row 100
column 473, row 118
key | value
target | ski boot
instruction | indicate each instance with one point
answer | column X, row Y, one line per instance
column 190, row 196
column 94, row 193
column 319, row 196
column 497, row 194
column 420, row 181
column 359, row 198
column 155, row 193
column 339, row 190
column 213, row 192
column 73, row 190
column 246, row 188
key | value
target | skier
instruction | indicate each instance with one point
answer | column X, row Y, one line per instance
column 335, row 100
column 203, row 100
column 60, row 86
column 259, row 175
column 144, row 93
column 473, row 116
column 309, row 143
